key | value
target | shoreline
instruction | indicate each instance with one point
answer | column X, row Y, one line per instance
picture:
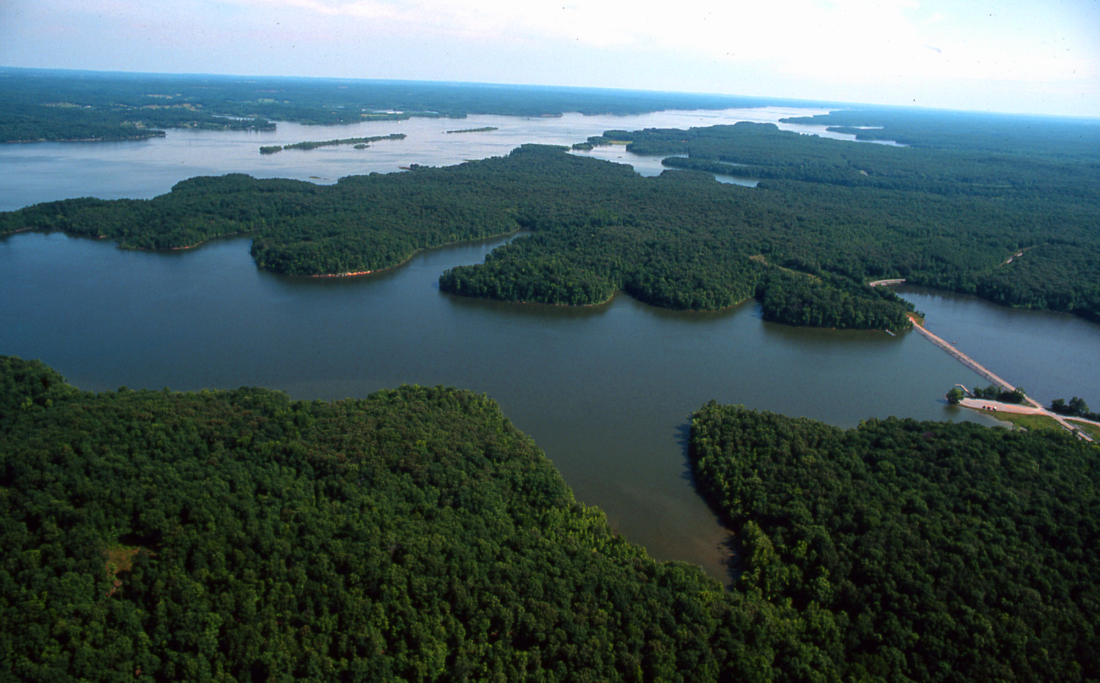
column 162, row 134
column 358, row 273
column 185, row 247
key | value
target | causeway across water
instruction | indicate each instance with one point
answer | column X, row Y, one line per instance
column 1037, row 408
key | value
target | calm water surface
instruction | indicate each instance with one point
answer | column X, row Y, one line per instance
column 605, row 391
column 1051, row 355
column 48, row 171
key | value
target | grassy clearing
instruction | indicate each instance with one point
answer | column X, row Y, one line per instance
column 1026, row 421
column 1088, row 428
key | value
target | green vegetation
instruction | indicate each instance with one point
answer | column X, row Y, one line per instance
column 996, row 134
column 414, row 535
column 43, row 105
column 484, row 129
column 955, row 395
column 1026, row 420
column 1019, row 227
column 681, row 241
column 828, row 217
column 1090, row 429
column 360, row 143
column 914, row 551
column 1075, row 408
column 998, row 393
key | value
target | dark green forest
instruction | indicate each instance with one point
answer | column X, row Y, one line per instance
column 921, row 551
column 360, row 143
column 680, row 241
column 986, row 132
column 414, row 535
column 1019, row 227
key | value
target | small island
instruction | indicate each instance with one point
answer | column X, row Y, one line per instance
column 485, row 129
column 360, row 143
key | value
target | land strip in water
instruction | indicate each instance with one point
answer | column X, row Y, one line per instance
column 1035, row 408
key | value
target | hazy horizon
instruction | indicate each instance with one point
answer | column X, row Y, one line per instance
column 1014, row 58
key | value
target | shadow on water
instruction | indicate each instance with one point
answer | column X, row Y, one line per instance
column 730, row 548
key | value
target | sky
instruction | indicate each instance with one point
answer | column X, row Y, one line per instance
column 1037, row 57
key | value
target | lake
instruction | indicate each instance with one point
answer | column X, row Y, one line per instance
column 605, row 391
column 47, row 171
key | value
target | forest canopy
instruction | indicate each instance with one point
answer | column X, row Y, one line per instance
column 413, row 535
column 1017, row 224
column 416, row 535
column 922, row 551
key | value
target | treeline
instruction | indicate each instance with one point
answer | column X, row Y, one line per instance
column 358, row 142
column 483, row 129
column 1010, row 134
column 914, row 551
column 98, row 105
column 414, row 535
column 417, row 535
column 680, row 241
column 65, row 122
column 42, row 105
column 1075, row 408
column 1000, row 394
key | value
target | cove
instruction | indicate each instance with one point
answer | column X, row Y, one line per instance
column 605, row 391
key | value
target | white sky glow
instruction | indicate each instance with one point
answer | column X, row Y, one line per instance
column 1026, row 57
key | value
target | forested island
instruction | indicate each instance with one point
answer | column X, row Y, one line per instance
column 681, row 241
column 483, row 129
column 360, row 143
column 417, row 535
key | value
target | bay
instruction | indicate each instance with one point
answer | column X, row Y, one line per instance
column 605, row 391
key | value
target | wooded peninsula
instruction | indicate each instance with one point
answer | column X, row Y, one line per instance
column 417, row 535
column 828, row 217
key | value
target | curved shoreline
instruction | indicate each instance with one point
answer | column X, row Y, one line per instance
column 358, row 273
